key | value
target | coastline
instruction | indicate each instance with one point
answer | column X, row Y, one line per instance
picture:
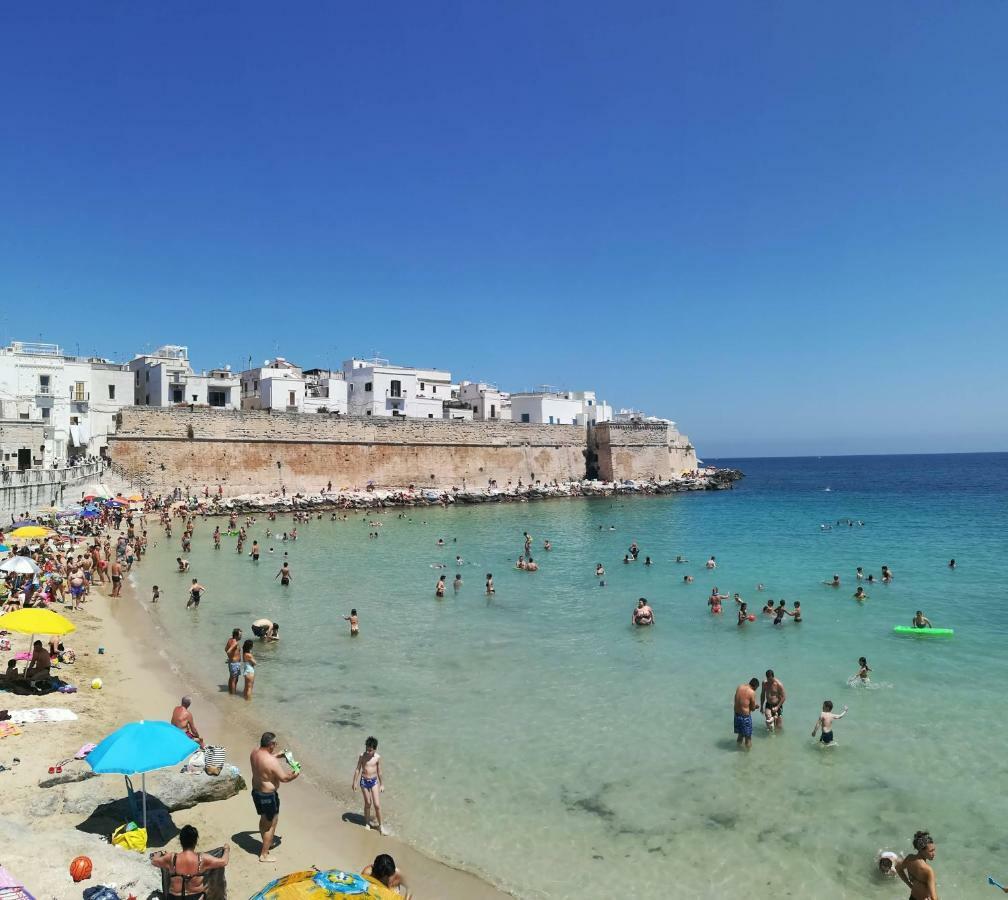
column 316, row 827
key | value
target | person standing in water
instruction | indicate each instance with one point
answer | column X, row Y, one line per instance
column 233, row 651
column 369, row 771
column 773, row 695
column 916, row 872
column 284, row 574
column 195, row 593
column 643, row 614
column 745, row 703
column 825, row 721
column 439, row 588
column 490, row 590
column 352, row 619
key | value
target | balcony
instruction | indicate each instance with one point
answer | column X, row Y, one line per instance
column 395, row 399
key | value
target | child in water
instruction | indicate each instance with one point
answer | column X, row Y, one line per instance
column 825, row 721
column 863, row 669
column 352, row 619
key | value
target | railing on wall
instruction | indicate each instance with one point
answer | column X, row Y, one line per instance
column 20, row 478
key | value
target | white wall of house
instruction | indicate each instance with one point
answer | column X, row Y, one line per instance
column 165, row 378
column 486, row 401
column 375, row 388
column 560, row 408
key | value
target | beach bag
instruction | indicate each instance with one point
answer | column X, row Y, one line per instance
column 196, row 763
column 214, row 759
column 130, row 840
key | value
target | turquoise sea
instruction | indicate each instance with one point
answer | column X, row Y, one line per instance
column 539, row 740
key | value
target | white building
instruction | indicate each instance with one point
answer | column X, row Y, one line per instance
column 282, row 386
column 325, row 392
column 635, row 416
column 488, row 404
column 559, row 408
column 56, row 408
column 165, row 378
column 376, row 388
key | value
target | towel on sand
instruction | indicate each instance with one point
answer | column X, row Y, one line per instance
column 8, row 729
column 23, row 716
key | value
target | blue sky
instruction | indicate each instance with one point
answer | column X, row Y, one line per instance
column 784, row 226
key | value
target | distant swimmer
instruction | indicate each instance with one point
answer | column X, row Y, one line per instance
column 680, row 559
column 859, row 594
column 547, row 545
column 834, row 583
column 825, row 722
column 863, row 669
column 887, row 575
column 183, row 564
column 859, row 574
column 354, row 623
column 921, row 621
column 490, row 585
column 643, row 614
column 531, row 565
column 285, row 575
column 633, row 550
column 768, row 608
column 626, row 558
column 711, row 563
column 886, row 861
column 871, row 578
column 647, row 560
column 439, row 588
column 458, row 561
column 759, row 587
column 796, row 615
column 440, row 542
column 599, row 570
column 952, row 564
column 744, row 704
column 916, row 872
column 687, row 579
column 457, row 583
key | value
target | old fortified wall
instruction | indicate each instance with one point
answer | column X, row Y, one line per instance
column 256, row 452
column 641, row 452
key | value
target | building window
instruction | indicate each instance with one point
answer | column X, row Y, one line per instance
column 147, row 376
column 23, row 416
column 551, row 420
column 44, row 384
column 395, row 389
column 137, row 379
column 493, row 411
column 573, row 421
column 421, row 385
column 430, row 415
column 176, row 395
column 111, row 392
column 78, row 391
column 215, row 398
column 45, row 413
column 367, row 386
column 367, row 412
column 525, row 417
column 147, row 401
column 290, row 399
column 350, row 388
column 74, row 420
column 589, row 403
column 194, row 397
column 395, row 412
column 433, row 388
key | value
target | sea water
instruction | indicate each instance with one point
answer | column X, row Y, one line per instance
column 539, row 740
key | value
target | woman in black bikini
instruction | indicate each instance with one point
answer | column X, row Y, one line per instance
column 186, row 869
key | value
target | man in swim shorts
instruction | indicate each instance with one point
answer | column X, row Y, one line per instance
column 369, row 770
column 195, row 592
column 745, row 703
column 267, row 774
column 773, row 695
column 233, row 651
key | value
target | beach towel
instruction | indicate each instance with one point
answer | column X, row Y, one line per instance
column 24, row 716
column 10, row 889
column 8, row 729
column 84, row 751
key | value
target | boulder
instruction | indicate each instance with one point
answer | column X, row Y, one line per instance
column 180, row 791
column 67, row 777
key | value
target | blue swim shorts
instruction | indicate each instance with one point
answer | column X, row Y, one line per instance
column 743, row 726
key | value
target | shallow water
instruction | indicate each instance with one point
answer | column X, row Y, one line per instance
column 540, row 740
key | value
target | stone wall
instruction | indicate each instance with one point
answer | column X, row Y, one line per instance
column 33, row 489
column 641, row 452
column 251, row 451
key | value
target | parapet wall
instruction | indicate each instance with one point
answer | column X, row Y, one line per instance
column 251, row 451
column 641, row 452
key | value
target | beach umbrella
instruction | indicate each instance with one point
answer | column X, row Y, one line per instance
column 314, row 884
column 21, row 523
column 36, row 621
column 89, row 512
column 30, row 531
column 20, row 564
column 139, row 748
column 135, row 498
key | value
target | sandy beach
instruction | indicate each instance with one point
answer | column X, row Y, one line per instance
column 140, row 681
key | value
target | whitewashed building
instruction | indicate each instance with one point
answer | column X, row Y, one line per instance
column 377, row 388
column 56, row 408
column 165, row 378
column 559, row 408
column 488, row 403
column 636, row 416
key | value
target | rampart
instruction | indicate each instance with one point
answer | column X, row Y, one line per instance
column 641, row 452
column 251, row 451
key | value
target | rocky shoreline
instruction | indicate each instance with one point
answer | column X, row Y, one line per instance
column 380, row 498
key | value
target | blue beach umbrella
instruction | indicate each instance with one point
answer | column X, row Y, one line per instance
column 21, row 524
column 89, row 512
column 142, row 747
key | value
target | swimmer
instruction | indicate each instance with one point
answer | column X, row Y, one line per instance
column 531, row 565
column 457, row 583
column 834, row 583
column 626, row 558
column 715, row 605
column 780, row 612
column 796, row 615
column 743, row 615
column 687, row 579
column 599, row 570
column 859, row 574
column 859, row 594
column 759, row 587
column 719, row 596
column 547, row 545
column 354, row 625
column 183, row 564
column 887, row 575
column 647, row 560
column 643, row 614
column 863, row 669
column 772, row 694
column 887, row 861
column 825, row 721
column 711, row 563
column 520, row 564
column 921, row 621
column 440, row 542
column 768, row 608
column 458, row 561
column 490, row 585
column 680, row 559
column 633, row 549
column 952, row 564
column 871, row 578
column 439, row 588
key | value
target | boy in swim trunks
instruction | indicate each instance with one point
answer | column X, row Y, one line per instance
column 825, row 721
column 369, row 771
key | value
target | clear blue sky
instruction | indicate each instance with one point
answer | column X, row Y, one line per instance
column 783, row 225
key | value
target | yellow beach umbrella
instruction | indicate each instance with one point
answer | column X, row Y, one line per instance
column 36, row 621
column 31, row 531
